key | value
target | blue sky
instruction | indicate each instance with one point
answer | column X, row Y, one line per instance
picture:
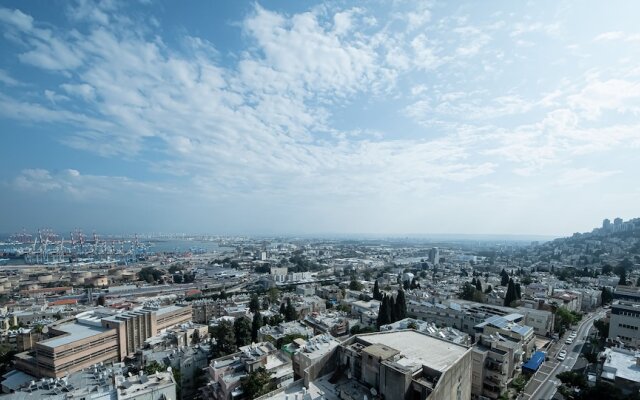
column 305, row 117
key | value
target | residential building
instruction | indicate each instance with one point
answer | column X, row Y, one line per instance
column 408, row 364
column 96, row 383
column 225, row 373
column 622, row 368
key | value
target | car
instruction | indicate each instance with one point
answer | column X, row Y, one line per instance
column 561, row 356
column 568, row 341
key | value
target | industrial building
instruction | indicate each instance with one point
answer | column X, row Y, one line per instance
column 96, row 336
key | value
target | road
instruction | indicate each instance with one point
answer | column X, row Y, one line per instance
column 543, row 384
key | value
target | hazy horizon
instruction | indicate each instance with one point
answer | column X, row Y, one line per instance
column 311, row 117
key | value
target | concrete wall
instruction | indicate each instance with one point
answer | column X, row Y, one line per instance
column 455, row 383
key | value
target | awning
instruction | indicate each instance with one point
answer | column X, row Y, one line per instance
column 534, row 362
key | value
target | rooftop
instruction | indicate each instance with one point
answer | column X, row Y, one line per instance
column 75, row 332
column 418, row 347
column 167, row 310
column 621, row 364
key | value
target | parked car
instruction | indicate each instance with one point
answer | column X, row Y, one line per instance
column 562, row 355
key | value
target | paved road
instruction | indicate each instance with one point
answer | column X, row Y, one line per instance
column 543, row 384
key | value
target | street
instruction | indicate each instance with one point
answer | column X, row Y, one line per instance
column 543, row 384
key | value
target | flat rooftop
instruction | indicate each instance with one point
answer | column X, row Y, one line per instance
column 169, row 309
column 74, row 332
column 624, row 364
column 418, row 347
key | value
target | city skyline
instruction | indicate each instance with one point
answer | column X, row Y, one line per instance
column 319, row 118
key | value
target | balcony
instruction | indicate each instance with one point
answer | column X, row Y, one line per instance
column 497, row 367
column 491, row 390
column 495, row 376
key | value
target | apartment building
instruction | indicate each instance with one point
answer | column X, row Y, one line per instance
column 97, row 336
column 501, row 347
column 408, row 364
column 508, row 328
column 99, row 383
column 225, row 373
column 542, row 321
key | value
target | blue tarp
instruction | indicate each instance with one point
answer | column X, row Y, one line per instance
column 534, row 362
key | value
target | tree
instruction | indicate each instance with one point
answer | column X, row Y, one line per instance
column 256, row 383
column 256, row 324
column 518, row 292
column 384, row 313
column 607, row 269
column 573, row 379
column 273, row 294
column 223, row 295
column 153, row 367
column 376, row 291
column 225, row 340
column 602, row 327
column 367, row 275
column 283, row 308
column 400, row 307
column 254, row 303
column 414, row 284
column 478, row 285
column 392, row 309
column 467, row 291
column 504, row 278
column 276, row 320
column 489, row 289
column 511, row 295
column 564, row 319
column 290, row 312
column 149, row 274
column 607, row 296
column 622, row 272
column 242, row 331
column 355, row 285
column 101, row 300
column 177, row 278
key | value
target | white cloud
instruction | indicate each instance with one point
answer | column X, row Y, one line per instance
column 16, row 18
column 74, row 185
column 87, row 92
column 613, row 94
column 617, row 36
column 54, row 97
column 583, row 176
column 8, row 79
column 273, row 118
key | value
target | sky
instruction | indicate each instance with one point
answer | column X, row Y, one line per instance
column 270, row 117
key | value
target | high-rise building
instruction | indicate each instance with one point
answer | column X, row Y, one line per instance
column 606, row 224
column 434, row 256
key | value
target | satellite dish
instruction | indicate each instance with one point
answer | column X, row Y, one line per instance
column 45, row 329
column 374, row 391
